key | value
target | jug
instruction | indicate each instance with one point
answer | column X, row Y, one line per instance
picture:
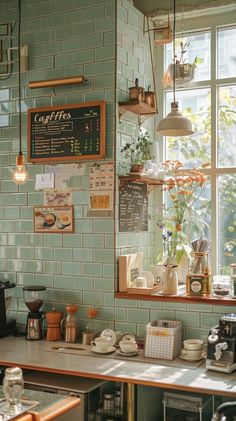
column 69, row 324
column 54, row 332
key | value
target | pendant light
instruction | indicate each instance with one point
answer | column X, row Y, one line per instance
column 20, row 175
column 174, row 124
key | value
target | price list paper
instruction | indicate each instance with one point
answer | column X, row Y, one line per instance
column 71, row 132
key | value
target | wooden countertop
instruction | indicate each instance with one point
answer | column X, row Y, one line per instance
column 17, row 351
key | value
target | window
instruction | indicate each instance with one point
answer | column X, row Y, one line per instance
column 209, row 101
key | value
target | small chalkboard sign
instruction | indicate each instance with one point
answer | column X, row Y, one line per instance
column 67, row 133
column 133, row 207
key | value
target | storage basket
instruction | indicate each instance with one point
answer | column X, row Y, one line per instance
column 163, row 339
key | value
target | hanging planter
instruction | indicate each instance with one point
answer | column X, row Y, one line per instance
column 184, row 72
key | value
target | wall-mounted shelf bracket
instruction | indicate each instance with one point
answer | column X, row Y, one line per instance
column 141, row 109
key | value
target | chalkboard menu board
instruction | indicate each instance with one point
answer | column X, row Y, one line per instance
column 67, row 133
column 133, row 208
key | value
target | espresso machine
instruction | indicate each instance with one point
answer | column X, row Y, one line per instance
column 221, row 349
column 34, row 299
column 7, row 326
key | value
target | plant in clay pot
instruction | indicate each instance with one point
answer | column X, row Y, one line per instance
column 137, row 152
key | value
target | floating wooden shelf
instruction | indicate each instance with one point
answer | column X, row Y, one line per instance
column 57, row 82
column 140, row 108
column 141, row 179
column 178, row 299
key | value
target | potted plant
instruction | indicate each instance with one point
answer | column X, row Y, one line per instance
column 184, row 71
column 137, row 152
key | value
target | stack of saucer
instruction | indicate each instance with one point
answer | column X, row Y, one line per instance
column 192, row 350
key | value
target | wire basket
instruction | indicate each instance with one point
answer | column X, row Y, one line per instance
column 163, row 339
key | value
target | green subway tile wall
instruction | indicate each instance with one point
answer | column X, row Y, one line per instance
column 69, row 38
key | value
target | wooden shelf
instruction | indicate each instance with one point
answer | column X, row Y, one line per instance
column 138, row 178
column 178, row 299
column 140, row 108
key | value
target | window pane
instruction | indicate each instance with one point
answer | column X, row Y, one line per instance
column 226, row 63
column 198, row 50
column 192, row 151
column 227, row 222
column 227, row 126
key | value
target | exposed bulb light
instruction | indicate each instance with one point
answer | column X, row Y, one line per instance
column 20, row 175
column 174, row 124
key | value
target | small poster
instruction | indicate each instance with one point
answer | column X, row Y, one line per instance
column 54, row 219
column 101, row 185
column 55, row 197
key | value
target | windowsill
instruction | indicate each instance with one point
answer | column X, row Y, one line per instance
column 179, row 299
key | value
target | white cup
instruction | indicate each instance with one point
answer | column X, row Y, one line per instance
column 101, row 343
column 128, row 346
column 193, row 344
column 140, row 282
column 191, row 354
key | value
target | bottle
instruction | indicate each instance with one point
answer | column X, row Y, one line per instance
column 69, row 324
column 198, row 281
column 89, row 334
column 13, row 385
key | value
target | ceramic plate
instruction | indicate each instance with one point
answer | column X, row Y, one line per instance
column 109, row 351
column 127, row 354
column 111, row 334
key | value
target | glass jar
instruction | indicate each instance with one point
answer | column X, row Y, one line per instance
column 221, row 286
column 108, row 403
column 69, row 324
column 13, row 385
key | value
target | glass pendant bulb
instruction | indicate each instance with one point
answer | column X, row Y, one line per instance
column 20, row 175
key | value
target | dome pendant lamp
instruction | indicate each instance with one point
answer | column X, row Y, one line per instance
column 20, row 175
column 174, row 124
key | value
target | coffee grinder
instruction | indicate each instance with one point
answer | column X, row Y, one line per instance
column 7, row 326
column 34, row 298
column 221, row 347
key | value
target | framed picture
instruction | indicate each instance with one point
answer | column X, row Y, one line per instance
column 58, row 219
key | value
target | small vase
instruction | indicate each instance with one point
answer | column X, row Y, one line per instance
column 137, row 168
column 170, row 277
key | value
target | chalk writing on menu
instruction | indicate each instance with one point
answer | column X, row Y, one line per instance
column 71, row 132
column 133, row 207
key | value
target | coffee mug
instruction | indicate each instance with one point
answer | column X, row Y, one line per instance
column 193, row 344
column 128, row 346
column 192, row 354
column 101, row 343
column 140, row 282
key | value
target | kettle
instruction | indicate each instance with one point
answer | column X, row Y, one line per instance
column 69, row 324
column 54, row 332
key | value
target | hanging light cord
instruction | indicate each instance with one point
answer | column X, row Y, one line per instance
column 19, row 71
column 173, row 53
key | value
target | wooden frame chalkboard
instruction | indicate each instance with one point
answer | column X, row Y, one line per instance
column 133, row 207
column 67, row 133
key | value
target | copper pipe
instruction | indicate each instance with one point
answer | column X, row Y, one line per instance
column 57, row 82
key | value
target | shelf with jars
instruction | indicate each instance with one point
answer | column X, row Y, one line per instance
column 136, row 106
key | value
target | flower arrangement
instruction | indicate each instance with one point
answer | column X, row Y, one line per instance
column 183, row 188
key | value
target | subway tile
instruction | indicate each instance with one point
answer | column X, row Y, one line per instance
column 93, row 69
column 64, row 254
column 18, row 199
column 83, row 282
column 92, row 298
column 104, row 255
column 34, row 239
column 121, row 326
column 93, row 240
column 15, row 239
column 103, row 25
column 174, row 306
column 44, row 280
column 162, row 314
column 199, row 307
column 108, row 299
column 4, row 239
column 106, row 313
column 120, row 314
column 7, row 252
column 24, row 252
column 82, row 255
column 54, row 295
column 53, row 240
column 105, row 53
column 83, row 226
column 103, row 226
column 7, row 226
column 92, row 269
column 72, row 240
column 61, row 281
column 33, row 266
column 44, row 253
column 208, row 320
column 94, row 13
column 137, row 315
column 25, row 279
column 84, row 28
column 71, row 268
column 188, row 318
column 54, row 268
column 104, row 284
